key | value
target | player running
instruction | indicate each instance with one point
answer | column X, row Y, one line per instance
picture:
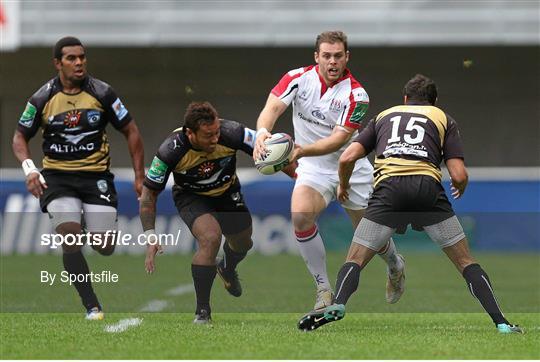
column 202, row 158
column 328, row 106
column 410, row 142
column 73, row 110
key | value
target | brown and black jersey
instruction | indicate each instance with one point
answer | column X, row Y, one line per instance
column 74, row 137
column 199, row 172
column 411, row 140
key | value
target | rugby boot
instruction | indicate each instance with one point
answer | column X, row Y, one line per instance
column 202, row 317
column 230, row 279
column 318, row 318
column 325, row 298
column 395, row 284
column 94, row 314
column 509, row 328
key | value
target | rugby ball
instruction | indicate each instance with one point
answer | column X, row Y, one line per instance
column 279, row 149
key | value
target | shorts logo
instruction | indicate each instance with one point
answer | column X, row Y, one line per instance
column 72, row 119
column 119, row 110
column 157, row 171
column 27, row 118
column 102, row 186
column 318, row 114
column 93, row 117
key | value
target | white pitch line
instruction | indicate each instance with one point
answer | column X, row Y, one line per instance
column 154, row 306
column 181, row 289
column 122, row 325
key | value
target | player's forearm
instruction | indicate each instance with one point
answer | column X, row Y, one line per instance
column 270, row 113
column 345, row 171
column 147, row 208
column 20, row 147
column 458, row 173
column 347, row 160
column 326, row 145
column 136, row 150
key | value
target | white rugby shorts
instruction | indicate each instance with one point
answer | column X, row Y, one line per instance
column 326, row 184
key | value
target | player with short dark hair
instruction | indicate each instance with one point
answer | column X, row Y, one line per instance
column 328, row 107
column 201, row 155
column 73, row 110
column 410, row 142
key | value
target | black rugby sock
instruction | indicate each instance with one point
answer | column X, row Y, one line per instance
column 347, row 282
column 480, row 287
column 203, row 278
column 232, row 258
column 75, row 263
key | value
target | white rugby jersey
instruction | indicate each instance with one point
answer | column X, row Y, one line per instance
column 317, row 109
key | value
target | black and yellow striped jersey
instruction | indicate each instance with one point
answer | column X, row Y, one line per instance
column 74, row 136
column 199, row 172
column 411, row 139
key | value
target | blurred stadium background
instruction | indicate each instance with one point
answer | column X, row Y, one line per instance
column 160, row 55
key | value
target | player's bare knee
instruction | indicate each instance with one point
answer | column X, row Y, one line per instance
column 302, row 221
column 69, row 228
column 240, row 242
column 71, row 249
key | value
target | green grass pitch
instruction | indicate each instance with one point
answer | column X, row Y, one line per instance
column 436, row 318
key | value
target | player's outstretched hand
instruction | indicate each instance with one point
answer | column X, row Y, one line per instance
column 35, row 184
column 260, row 148
column 149, row 262
column 342, row 193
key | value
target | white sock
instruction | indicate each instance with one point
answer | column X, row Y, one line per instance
column 388, row 254
column 312, row 249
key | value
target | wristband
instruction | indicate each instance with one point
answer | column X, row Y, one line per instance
column 259, row 131
column 151, row 237
column 29, row 167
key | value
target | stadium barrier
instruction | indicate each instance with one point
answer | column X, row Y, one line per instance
column 500, row 212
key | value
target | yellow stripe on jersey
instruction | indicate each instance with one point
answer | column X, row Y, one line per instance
column 393, row 166
column 436, row 115
column 96, row 162
column 193, row 158
column 61, row 103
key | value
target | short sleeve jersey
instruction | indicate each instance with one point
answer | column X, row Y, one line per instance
column 318, row 108
column 411, row 140
column 199, row 172
column 74, row 136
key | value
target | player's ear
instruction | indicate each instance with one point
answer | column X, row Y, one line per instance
column 347, row 56
column 316, row 57
column 57, row 63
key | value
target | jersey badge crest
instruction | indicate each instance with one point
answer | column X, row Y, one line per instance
column 72, row 119
column 93, row 117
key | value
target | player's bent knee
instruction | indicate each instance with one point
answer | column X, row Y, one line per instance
column 71, row 249
column 372, row 235
column 446, row 233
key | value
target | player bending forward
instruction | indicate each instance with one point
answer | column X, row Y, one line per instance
column 410, row 141
column 202, row 157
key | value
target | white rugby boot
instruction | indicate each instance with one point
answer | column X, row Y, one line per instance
column 395, row 284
